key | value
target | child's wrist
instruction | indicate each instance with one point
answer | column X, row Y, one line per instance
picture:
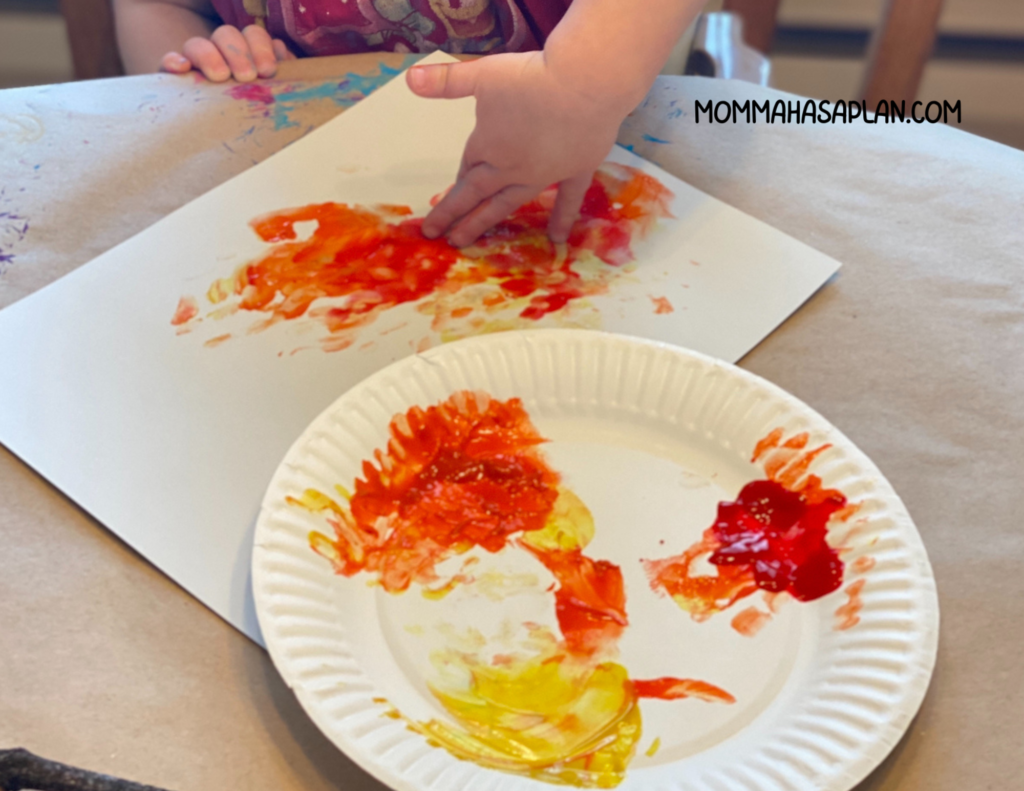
column 615, row 86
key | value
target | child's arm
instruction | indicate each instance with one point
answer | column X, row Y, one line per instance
column 550, row 117
column 180, row 35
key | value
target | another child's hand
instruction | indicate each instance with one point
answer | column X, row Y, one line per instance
column 533, row 129
column 229, row 52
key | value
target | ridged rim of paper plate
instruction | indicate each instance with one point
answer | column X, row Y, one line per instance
column 847, row 717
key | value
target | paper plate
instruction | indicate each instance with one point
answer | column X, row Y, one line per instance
column 650, row 438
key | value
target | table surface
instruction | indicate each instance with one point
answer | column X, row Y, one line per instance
column 915, row 350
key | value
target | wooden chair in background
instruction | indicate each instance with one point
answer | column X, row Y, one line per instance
column 90, row 25
column 900, row 45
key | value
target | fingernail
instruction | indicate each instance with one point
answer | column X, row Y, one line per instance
column 180, row 60
column 418, row 78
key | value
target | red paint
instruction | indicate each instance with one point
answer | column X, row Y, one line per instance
column 779, row 536
column 252, row 92
column 370, row 260
column 462, row 474
column 772, row 537
column 676, row 688
column 356, row 253
column 621, row 203
column 590, row 600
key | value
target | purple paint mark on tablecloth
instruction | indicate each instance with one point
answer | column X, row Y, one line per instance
column 13, row 230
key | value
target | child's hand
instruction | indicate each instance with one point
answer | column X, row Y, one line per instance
column 533, row 129
column 229, row 52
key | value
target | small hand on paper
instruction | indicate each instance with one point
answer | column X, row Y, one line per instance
column 229, row 52
column 534, row 127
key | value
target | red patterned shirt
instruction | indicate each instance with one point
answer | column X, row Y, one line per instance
column 339, row 27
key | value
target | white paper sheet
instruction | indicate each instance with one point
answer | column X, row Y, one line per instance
column 170, row 443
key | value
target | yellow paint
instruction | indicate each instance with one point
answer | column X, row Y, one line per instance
column 498, row 586
column 570, row 526
column 549, row 716
column 653, row 749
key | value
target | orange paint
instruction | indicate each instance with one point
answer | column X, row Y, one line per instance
column 677, row 688
column 662, row 305
column 217, row 341
column 186, row 311
column 773, row 537
column 699, row 594
column 590, row 600
column 863, row 564
column 468, row 473
column 465, row 473
column 750, row 621
column 360, row 262
column 849, row 613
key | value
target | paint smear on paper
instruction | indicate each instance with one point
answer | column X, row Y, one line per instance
column 279, row 102
column 662, row 306
column 773, row 537
column 186, row 311
column 466, row 474
column 653, row 749
column 360, row 262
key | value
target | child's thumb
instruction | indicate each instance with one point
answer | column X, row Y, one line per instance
column 445, row 81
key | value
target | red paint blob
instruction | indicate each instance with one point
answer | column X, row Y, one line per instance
column 781, row 537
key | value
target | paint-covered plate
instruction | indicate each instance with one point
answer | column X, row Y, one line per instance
column 571, row 557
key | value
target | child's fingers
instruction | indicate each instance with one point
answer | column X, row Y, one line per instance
column 446, row 81
column 571, row 193
column 205, row 57
column 479, row 184
column 175, row 63
column 281, row 50
column 490, row 213
column 262, row 50
column 235, row 49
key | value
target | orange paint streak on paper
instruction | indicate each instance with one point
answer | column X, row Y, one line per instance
column 217, row 341
column 186, row 311
column 468, row 473
column 863, row 564
column 360, row 262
